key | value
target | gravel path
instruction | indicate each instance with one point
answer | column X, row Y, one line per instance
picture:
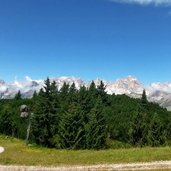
column 1, row 149
column 132, row 166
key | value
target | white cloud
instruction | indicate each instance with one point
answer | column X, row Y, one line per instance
column 28, row 78
column 145, row 2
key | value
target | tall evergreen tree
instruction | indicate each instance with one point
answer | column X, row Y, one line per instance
column 137, row 132
column 83, row 101
column 73, row 94
column 18, row 95
column 92, row 89
column 35, row 95
column 63, row 97
column 82, row 96
column 45, row 115
column 64, row 92
column 7, row 124
column 144, row 98
column 156, row 133
column 91, row 96
column 71, row 128
column 101, row 90
column 96, row 127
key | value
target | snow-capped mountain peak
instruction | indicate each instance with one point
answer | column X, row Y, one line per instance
column 2, row 82
column 131, row 86
column 68, row 80
column 3, row 86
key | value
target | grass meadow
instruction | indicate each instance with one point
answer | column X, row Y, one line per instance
column 17, row 153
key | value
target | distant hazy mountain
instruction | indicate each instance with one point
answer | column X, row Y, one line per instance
column 156, row 92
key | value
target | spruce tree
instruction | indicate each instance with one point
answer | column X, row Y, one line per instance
column 96, row 128
column 72, row 94
column 45, row 115
column 71, row 128
column 34, row 95
column 91, row 97
column 64, row 92
column 83, row 101
column 144, row 98
column 7, row 124
column 101, row 92
column 63, row 97
column 156, row 133
column 18, row 96
column 137, row 132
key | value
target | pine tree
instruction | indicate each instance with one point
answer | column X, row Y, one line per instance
column 96, row 128
column 7, row 124
column 83, row 101
column 92, row 89
column 137, row 132
column 18, row 96
column 71, row 128
column 101, row 89
column 72, row 94
column 91, row 97
column 64, row 92
column 82, row 96
column 144, row 98
column 35, row 95
column 102, row 93
column 45, row 115
column 156, row 133
column 63, row 97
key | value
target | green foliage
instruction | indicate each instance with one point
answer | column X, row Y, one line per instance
column 71, row 128
column 87, row 118
column 95, row 129
column 115, row 144
column 102, row 94
column 45, row 115
column 10, row 121
column 156, row 133
column 119, row 116
column 137, row 130
column 18, row 96
column 7, row 123
column 144, row 98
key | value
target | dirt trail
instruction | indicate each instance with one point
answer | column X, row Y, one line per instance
column 106, row 167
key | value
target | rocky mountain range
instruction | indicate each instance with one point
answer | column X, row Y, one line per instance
column 131, row 86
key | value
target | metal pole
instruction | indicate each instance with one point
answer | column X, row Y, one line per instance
column 28, row 129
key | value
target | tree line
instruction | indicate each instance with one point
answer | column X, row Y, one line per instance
column 88, row 118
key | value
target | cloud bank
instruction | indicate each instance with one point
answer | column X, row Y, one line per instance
column 145, row 2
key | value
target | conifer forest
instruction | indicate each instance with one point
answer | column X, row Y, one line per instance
column 88, row 118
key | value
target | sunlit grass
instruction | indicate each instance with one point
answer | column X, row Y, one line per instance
column 16, row 152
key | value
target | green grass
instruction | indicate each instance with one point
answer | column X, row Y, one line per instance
column 16, row 152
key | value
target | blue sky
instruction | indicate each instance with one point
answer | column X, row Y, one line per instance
column 85, row 38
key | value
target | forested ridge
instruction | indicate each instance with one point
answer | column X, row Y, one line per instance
column 87, row 118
